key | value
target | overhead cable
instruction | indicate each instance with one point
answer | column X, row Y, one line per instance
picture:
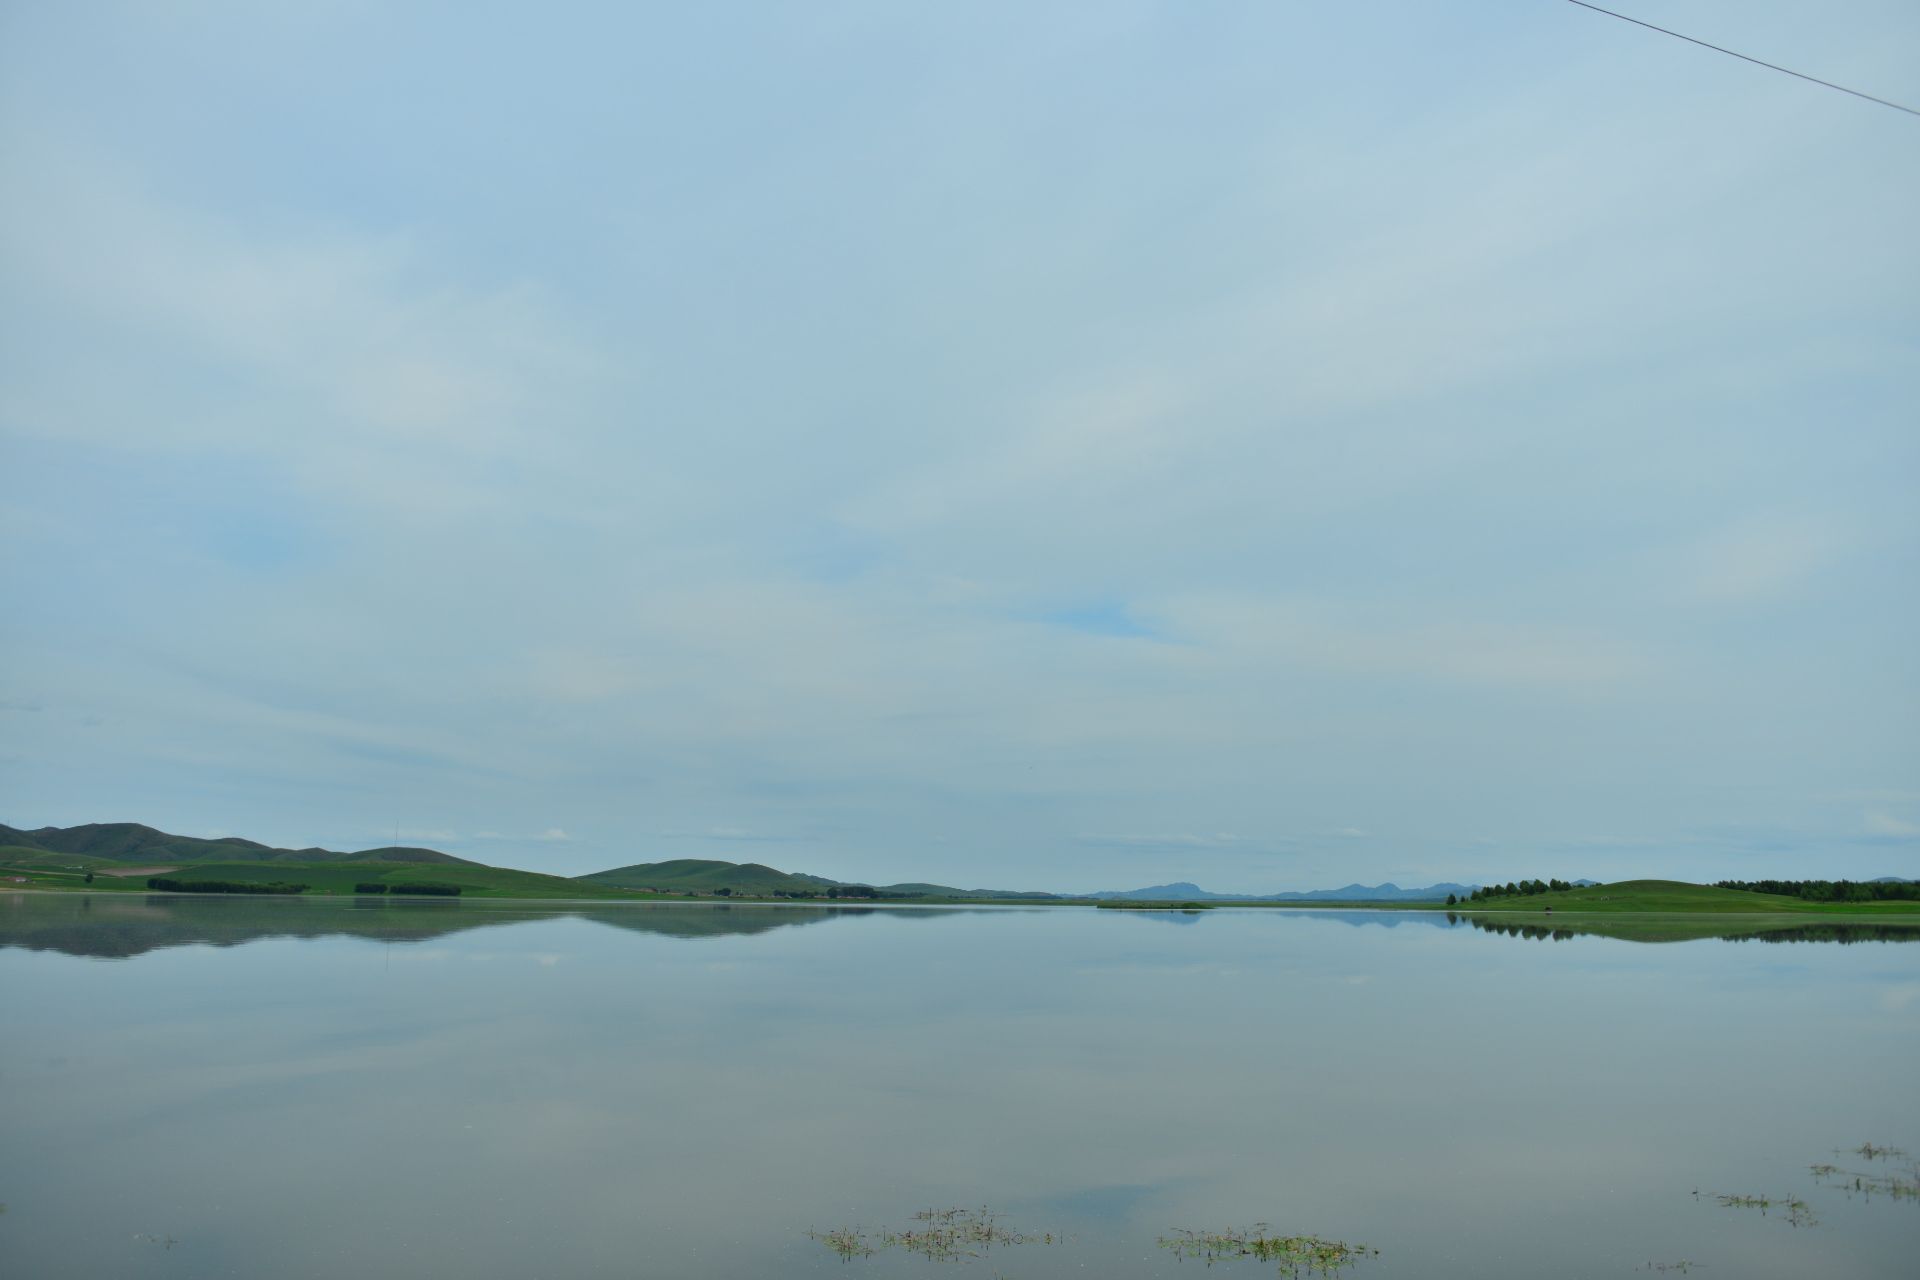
column 1744, row 58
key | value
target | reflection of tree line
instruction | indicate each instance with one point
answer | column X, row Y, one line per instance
column 1682, row 930
column 117, row 926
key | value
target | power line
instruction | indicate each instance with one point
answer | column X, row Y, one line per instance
column 1744, row 58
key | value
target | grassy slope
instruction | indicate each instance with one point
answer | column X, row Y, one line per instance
column 131, row 843
column 16, row 855
column 1635, row 896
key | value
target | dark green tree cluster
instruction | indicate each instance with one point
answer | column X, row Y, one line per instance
column 169, row 885
column 853, row 891
column 370, row 887
column 1517, row 889
column 1830, row 890
column 427, row 890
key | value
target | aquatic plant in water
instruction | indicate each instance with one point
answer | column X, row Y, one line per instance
column 1901, row 1184
column 939, row 1235
column 1793, row 1210
column 1870, row 1152
column 845, row 1241
column 1295, row 1255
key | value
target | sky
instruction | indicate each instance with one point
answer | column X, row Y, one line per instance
column 1072, row 446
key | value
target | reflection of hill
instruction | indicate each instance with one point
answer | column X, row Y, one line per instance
column 120, row 925
column 1648, row 928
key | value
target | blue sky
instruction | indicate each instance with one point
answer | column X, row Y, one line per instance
column 1070, row 446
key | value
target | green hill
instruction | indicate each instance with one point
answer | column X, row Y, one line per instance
column 133, row 844
column 704, row 875
column 1674, row 896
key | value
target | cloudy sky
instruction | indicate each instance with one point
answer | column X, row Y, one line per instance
column 1067, row 446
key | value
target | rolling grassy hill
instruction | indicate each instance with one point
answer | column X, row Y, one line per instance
column 60, row 858
column 704, row 875
column 1680, row 898
column 133, row 844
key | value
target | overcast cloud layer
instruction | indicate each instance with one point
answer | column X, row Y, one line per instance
column 1043, row 446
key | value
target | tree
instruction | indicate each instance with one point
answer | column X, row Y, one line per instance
column 89, row 877
column 723, row 891
column 1451, row 899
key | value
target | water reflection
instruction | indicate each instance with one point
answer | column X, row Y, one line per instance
column 119, row 926
column 1649, row 927
column 1690, row 928
column 559, row 1098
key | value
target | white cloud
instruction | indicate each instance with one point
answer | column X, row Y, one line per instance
column 364, row 375
column 1882, row 823
column 1761, row 559
column 1329, row 636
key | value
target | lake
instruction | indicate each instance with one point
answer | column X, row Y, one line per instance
column 228, row 1087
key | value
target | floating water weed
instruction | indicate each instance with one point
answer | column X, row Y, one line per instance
column 1295, row 1255
column 1683, row 1266
column 1793, row 1210
column 939, row 1235
column 845, row 1241
column 1868, row 1151
column 1901, row 1185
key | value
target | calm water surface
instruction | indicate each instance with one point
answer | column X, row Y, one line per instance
column 218, row 1087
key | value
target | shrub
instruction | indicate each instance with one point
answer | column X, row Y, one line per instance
column 167, row 884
